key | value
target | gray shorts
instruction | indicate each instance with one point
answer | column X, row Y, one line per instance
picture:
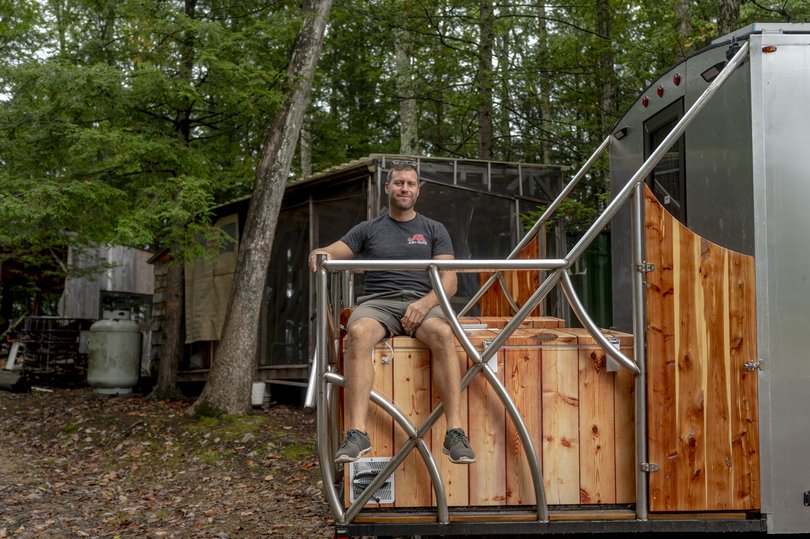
column 388, row 308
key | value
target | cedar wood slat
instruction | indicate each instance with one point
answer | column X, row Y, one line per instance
column 561, row 445
column 662, row 443
column 596, row 428
column 524, row 383
column 689, row 371
column 412, row 388
column 455, row 478
column 625, row 425
column 718, row 403
column 743, row 348
column 488, row 440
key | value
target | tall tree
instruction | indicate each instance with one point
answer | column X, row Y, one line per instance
column 408, row 118
column 683, row 14
column 544, row 86
column 171, row 349
column 231, row 374
column 484, row 88
column 125, row 121
column 607, row 74
column 305, row 145
column 503, row 41
column 728, row 16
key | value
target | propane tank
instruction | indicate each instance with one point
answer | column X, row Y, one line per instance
column 114, row 356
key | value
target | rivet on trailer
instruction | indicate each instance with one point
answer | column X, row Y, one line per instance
column 688, row 415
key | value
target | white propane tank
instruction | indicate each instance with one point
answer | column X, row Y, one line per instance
column 114, row 346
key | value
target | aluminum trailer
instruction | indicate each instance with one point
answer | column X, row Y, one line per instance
column 738, row 177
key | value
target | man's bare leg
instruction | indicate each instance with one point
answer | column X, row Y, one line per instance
column 361, row 338
column 438, row 336
column 436, row 333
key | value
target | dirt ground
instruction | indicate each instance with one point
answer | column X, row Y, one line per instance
column 75, row 464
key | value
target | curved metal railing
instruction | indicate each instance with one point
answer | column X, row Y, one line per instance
column 320, row 396
column 417, row 433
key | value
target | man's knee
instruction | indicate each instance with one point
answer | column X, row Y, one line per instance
column 364, row 334
column 437, row 334
column 444, row 332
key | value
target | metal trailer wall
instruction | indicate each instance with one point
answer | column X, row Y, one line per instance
column 747, row 173
column 781, row 164
column 718, row 168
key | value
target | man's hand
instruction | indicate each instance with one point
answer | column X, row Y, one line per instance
column 313, row 259
column 335, row 251
column 415, row 314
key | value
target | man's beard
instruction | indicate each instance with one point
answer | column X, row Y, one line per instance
column 403, row 204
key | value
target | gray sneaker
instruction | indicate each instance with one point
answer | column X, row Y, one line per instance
column 355, row 445
column 457, row 447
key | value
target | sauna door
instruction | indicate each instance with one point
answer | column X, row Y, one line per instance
column 702, row 400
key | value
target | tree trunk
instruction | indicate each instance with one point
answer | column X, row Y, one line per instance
column 728, row 16
column 484, row 89
column 503, row 53
column 306, row 151
column 408, row 118
column 171, row 349
column 607, row 74
column 230, row 378
column 545, row 84
column 683, row 14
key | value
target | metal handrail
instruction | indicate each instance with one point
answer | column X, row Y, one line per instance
column 558, row 268
column 535, row 229
column 588, row 323
column 415, row 439
column 458, row 266
column 647, row 167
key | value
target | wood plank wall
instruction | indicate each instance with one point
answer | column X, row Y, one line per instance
column 580, row 419
column 702, row 402
column 521, row 284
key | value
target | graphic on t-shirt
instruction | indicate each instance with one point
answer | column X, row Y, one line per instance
column 417, row 239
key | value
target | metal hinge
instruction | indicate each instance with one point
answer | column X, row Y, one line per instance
column 645, row 267
column 754, row 365
column 649, row 467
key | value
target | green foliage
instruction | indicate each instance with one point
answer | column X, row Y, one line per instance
column 124, row 122
column 775, row 11
column 576, row 215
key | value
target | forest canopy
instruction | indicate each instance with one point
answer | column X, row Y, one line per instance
column 123, row 122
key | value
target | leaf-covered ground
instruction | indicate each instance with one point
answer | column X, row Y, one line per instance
column 75, row 464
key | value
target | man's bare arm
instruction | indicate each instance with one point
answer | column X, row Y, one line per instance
column 336, row 251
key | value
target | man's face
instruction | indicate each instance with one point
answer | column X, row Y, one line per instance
column 403, row 189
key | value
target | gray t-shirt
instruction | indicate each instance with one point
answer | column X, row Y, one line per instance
column 384, row 238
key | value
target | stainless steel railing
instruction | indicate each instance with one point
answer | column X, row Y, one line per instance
column 320, row 394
